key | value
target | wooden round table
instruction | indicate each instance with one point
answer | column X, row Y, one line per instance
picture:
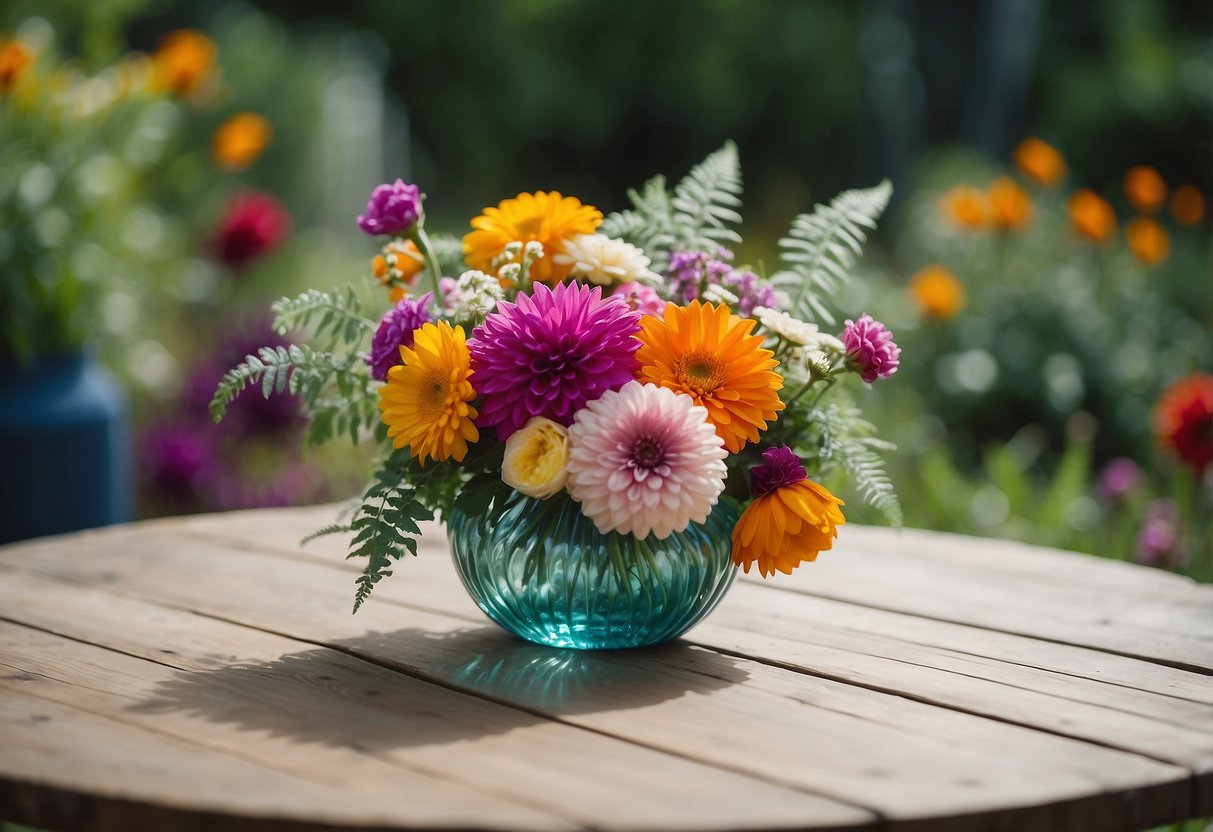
column 206, row 673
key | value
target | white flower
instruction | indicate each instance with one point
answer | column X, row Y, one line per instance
column 536, row 456
column 645, row 460
column 602, row 260
column 796, row 331
column 477, row 294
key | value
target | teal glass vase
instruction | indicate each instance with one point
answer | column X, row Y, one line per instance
column 542, row 571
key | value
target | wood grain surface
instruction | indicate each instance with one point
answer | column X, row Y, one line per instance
column 206, row 673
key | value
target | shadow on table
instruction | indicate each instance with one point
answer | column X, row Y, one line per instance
column 411, row 687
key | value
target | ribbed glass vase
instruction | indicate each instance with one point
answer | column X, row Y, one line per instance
column 542, row 571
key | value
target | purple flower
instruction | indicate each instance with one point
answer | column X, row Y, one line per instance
column 690, row 272
column 780, row 467
column 549, row 353
column 1118, row 479
column 870, row 348
column 176, row 463
column 1160, row 542
column 395, row 331
column 750, row 291
column 393, row 209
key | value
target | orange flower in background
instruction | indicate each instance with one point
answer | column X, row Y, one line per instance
column 1010, row 206
column 547, row 218
column 1091, row 215
column 183, row 61
column 15, row 58
column 397, row 265
column 1145, row 189
column 1188, row 205
column 711, row 355
column 1183, row 420
column 1147, row 240
column 938, row 292
column 239, row 140
column 1040, row 161
column 965, row 206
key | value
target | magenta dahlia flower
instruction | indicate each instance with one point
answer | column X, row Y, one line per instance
column 395, row 331
column 393, row 209
column 645, row 460
column 549, row 353
column 870, row 348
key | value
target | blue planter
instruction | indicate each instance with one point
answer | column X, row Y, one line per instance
column 65, row 448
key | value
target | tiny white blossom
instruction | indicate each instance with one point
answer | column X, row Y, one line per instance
column 534, row 249
column 510, row 271
column 477, row 296
column 513, row 248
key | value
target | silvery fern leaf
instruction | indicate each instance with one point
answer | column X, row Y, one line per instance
column 821, row 248
column 847, row 441
column 648, row 225
column 706, row 201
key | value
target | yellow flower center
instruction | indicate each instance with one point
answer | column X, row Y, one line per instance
column 435, row 386
column 699, row 372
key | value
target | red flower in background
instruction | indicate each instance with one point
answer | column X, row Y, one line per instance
column 254, row 224
column 1184, row 420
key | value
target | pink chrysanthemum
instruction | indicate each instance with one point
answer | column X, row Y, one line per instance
column 645, row 460
column 549, row 353
column 870, row 348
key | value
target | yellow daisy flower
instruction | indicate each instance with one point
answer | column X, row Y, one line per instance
column 787, row 527
column 426, row 400
column 710, row 354
column 547, row 218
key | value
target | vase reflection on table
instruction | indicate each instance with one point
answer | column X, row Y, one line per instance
column 541, row 570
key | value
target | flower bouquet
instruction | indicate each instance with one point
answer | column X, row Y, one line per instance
column 609, row 414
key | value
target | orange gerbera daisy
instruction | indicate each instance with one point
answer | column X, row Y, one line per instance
column 1145, row 188
column 791, row 519
column 15, row 58
column 938, row 292
column 1091, row 216
column 426, row 402
column 1040, row 161
column 547, row 218
column 238, row 142
column 708, row 353
column 965, row 206
column 1010, row 207
column 1188, row 205
column 183, row 61
column 1147, row 240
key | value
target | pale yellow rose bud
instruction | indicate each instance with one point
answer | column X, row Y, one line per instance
column 536, row 458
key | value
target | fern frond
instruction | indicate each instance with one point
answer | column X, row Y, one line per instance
column 336, row 314
column 821, row 248
column 650, row 223
column 332, row 528
column 847, row 441
column 705, row 202
column 385, row 526
column 270, row 367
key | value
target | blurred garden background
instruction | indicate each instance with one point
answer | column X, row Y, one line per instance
column 168, row 169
